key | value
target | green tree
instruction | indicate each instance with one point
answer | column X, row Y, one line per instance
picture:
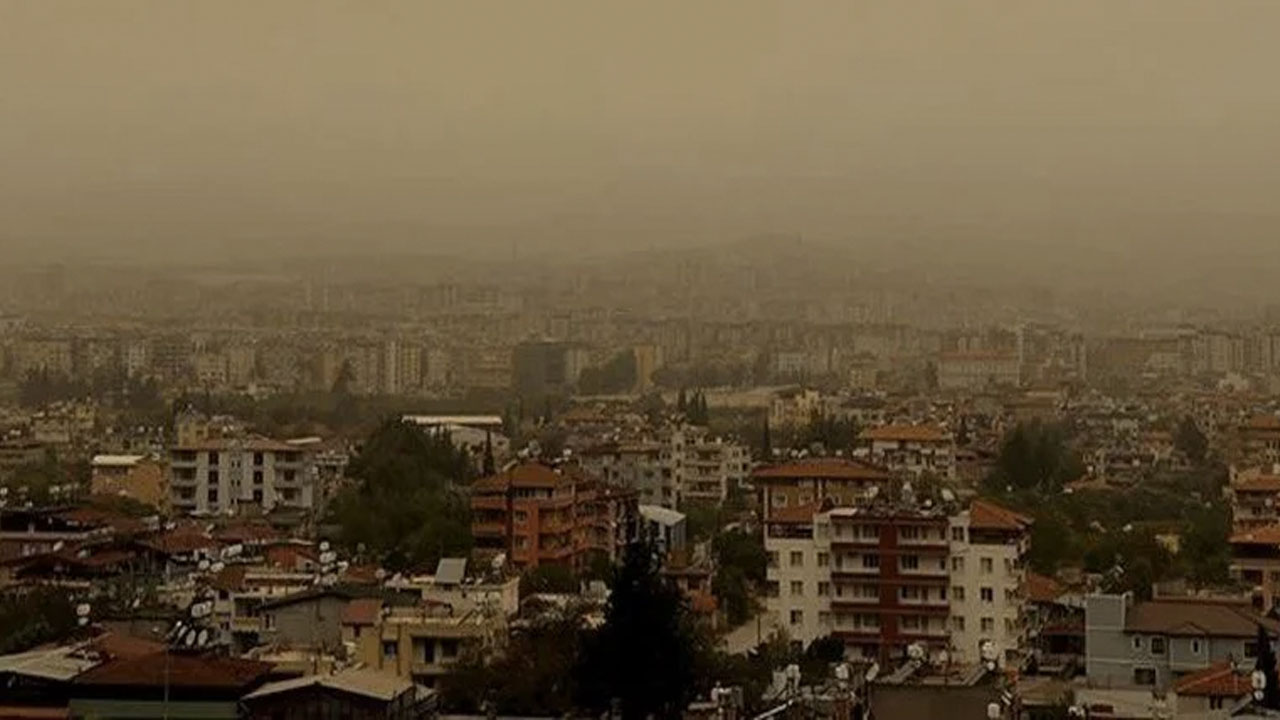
column 766, row 442
column 29, row 619
column 645, row 654
column 1191, row 441
column 406, row 508
column 548, row 579
column 741, row 563
column 1035, row 456
column 1266, row 664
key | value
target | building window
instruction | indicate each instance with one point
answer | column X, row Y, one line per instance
column 909, row 533
column 797, row 617
column 957, row 593
column 957, row 534
column 257, row 496
column 1137, row 642
column 910, row 562
column 797, row 558
column 824, row 559
column 987, row 594
column 779, row 500
column 988, row 624
column 910, row 622
column 870, row 561
column 449, row 648
column 957, row 564
column 213, row 458
column 824, row 589
column 389, row 649
column 257, row 477
column 1195, row 647
column 212, row 495
column 521, row 516
column 824, row 619
column 773, row 558
column 1251, row 649
column 797, row 587
column 987, row 566
column 909, row 592
column 1215, row 703
column 957, row 623
column 213, row 477
column 1144, row 676
column 1157, row 646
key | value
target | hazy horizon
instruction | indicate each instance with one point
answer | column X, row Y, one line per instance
column 983, row 134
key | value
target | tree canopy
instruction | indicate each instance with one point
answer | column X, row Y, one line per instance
column 1035, row 456
column 405, row 508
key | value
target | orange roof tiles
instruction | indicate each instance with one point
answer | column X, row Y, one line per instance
column 821, row 468
column 1218, row 680
column 986, row 515
column 905, row 433
column 1042, row 589
column 524, row 475
column 180, row 671
column 1257, row 483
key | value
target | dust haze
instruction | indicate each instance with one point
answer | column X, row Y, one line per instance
column 1078, row 143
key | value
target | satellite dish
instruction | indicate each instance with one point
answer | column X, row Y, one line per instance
column 994, row 711
column 82, row 610
column 328, row 557
column 201, row 609
column 202, row 638
column 59, row 545
column 324, row 546
column 189, row 638
column 915, row 651
column 842, row 672
column 380, row 574
column 872, row 673
column 217, row 567
column 203, row 565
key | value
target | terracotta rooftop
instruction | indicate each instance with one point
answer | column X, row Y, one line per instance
column 1192, row 617
column 1257, row 483
column 183, row 671
column 120, row 645
column 1042, row 588
column 1219, row 680
column 821, row 468
column 986, row 515
column 96, row 517
column 524, row 475
column 905, row 433
column 248, row 533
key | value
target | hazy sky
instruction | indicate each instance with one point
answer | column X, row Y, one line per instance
column 172, row 125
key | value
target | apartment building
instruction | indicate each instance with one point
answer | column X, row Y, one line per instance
column 978, row 370
column 883, row 576
column 138, row 477
column 794, row 408
column 813, row 481
column 421, row 643
column 230, row 474
column 989, row 599
column 914, row 450
column 539, row 514
column 1255, row 562
column 1259, row 440
column 684, row 464
column 1254, row 494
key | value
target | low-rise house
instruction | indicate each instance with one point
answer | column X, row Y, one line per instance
column 911, row 449
column 421, row 643
column 1219, row 687
column 355, row 694
column 137, row 477
column 1152, row 643
column 1254, row 494
column 453, row 585
column 166, row 684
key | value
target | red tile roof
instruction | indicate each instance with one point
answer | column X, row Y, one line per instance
column 119, row 645
column 1219, row 680
column 905, row 433
column 986, row 515
column 184, row 671
column 180, row 541
column 1193, row 617
column 1042, row 589
column 821, row 468
column 95, row 517
column 524, row 475
column 362, row 611
column 248, row 533
column 230, row 578
column 1257, row 483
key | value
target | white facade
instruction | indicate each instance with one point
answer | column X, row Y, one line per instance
column 219, row 476
column 988, row 591
column 912, row 450
column 799, row 582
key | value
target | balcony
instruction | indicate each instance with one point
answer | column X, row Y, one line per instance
column 854, row 571
column 246, row 624
column 489, row 529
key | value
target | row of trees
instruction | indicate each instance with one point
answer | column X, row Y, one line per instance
column 1116, row 532
column 694, row 407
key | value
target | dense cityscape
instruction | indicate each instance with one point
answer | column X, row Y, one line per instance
column 470, row 497
column 662, row 360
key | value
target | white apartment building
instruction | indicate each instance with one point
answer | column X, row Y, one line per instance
column 684, row 465
column 795, row 409
column 911, row 449
column 882, row 578
column 977, row 370
column 988, row 580
column 226, row 475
